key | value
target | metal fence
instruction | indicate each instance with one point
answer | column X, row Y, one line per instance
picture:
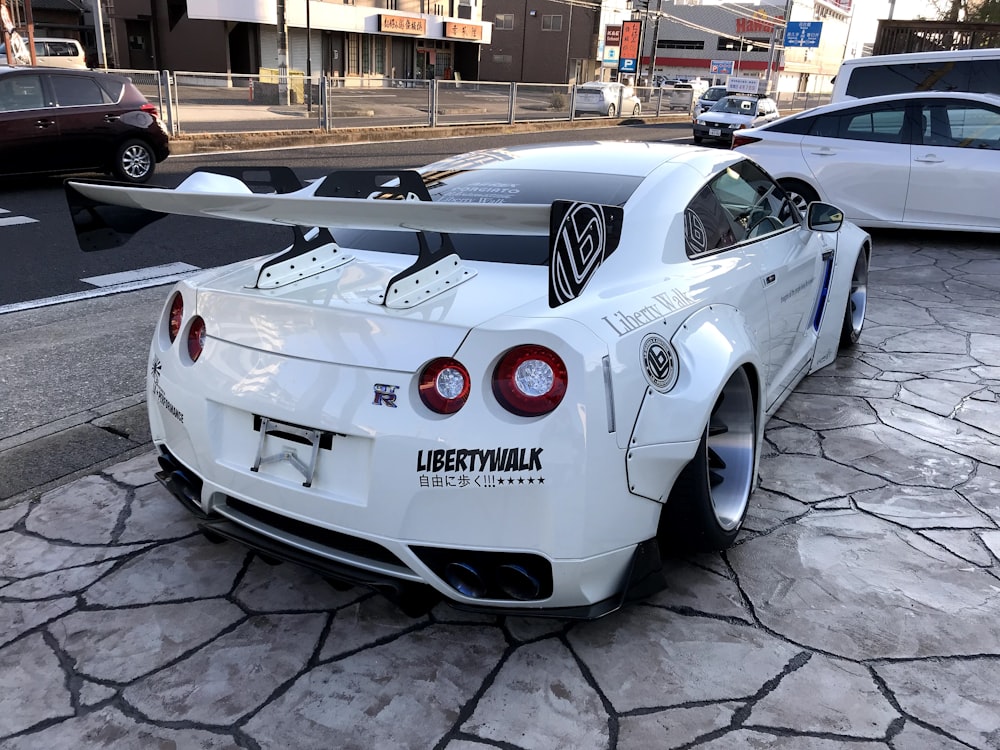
column 192, row 102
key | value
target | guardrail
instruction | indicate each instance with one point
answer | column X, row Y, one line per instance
column 196, row 102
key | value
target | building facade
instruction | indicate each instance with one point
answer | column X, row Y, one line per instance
column 682, row 40
column 353, row 39
column 541, row 41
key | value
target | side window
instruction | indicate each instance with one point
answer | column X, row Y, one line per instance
column 741, row 203
column 875, row 80
column 961, row 126
column 19, row 92
column 882, row 126
column 75, row 91
column 878, row 124
column 984, row 76
column 707, row 227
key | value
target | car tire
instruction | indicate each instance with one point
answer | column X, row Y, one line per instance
column 799, row 193
column 697, row 139
column 709, row 499
column 635, row 110
column 857, row 303
column 612, row 110
column 134, row 161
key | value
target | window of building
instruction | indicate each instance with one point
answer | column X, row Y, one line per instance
column 551, row 23
column 503, row 22
column 728, row 43
column 680, row 44
column 353, row 62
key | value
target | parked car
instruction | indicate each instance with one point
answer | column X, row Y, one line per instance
column 62, row 121
column 55, row 53
column 924, row 160
column 560, row 369
column 607, row 98
column 709, row 97
column 732, row 113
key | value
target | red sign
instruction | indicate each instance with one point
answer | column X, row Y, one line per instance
column 761, row 23
column 612, row 36
column 631, row 30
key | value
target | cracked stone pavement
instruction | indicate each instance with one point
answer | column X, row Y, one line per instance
column 860, row 607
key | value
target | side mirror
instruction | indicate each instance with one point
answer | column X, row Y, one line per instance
column 822, row 217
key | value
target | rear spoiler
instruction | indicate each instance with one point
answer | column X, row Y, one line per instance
column 581, row 235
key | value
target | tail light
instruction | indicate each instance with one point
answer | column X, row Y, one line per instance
column 176, row 316
column 444, row 385
column 196, row 338
column 743, row 140
column 530, row 380
column 150, row 109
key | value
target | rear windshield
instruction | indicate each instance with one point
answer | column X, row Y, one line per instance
column 497, row 186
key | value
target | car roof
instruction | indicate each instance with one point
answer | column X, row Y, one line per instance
column 626, row 158
column 993, row 99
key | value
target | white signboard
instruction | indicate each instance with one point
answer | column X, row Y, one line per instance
column 740, row 85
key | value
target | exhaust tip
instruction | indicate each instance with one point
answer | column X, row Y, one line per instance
column 517, row 583
column 465, row 579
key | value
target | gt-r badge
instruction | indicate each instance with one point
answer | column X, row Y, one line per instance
column 385, row 395
column 659, row 362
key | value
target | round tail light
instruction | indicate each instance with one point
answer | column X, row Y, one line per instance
column 176, row 316
column 444, row 385
column 196, row 338
column 530, row 380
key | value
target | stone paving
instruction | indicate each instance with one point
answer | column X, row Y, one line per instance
column 860, row 607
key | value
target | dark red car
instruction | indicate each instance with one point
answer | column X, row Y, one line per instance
column 77, row 121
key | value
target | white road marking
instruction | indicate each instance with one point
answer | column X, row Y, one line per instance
column 140, row 274
column 9, row 221
column 104, row 291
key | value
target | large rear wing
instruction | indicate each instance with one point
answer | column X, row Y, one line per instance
column 581, row 235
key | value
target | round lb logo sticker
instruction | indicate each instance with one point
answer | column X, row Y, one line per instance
column 659, row 362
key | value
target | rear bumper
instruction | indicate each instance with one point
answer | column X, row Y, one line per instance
column 329, row 554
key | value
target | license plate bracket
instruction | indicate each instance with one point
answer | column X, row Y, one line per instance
column 312, row 439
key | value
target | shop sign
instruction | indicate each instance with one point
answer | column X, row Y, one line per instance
column 454, row 30
column 402, row 25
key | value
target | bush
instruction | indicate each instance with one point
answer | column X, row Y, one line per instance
column 558, row 100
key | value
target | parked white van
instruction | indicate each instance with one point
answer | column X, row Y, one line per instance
column 55, row 53
column 971, row 71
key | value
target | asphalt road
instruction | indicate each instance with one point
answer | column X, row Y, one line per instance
column 43, row 261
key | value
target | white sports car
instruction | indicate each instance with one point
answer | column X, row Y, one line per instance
column 511, row 379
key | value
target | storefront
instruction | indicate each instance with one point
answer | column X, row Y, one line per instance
column 357, row 42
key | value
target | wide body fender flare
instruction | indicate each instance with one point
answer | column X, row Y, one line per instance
column 851, row 242
column 710, row 345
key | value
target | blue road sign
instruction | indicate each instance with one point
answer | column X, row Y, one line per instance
column 627, row 64
column 803, row 33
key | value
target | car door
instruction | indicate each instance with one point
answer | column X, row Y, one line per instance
column 789, row 264
column 861, row 158
column 88, row 121
column 958, row 147
column 28, row 131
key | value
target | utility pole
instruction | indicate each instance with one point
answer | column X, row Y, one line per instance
column 282, row 54
column 102, row 50
column 652, row 48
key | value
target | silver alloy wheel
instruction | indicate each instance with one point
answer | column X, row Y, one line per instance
column 135, row 161
column 799, row 193
column 857, row 300
column 732, row 436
